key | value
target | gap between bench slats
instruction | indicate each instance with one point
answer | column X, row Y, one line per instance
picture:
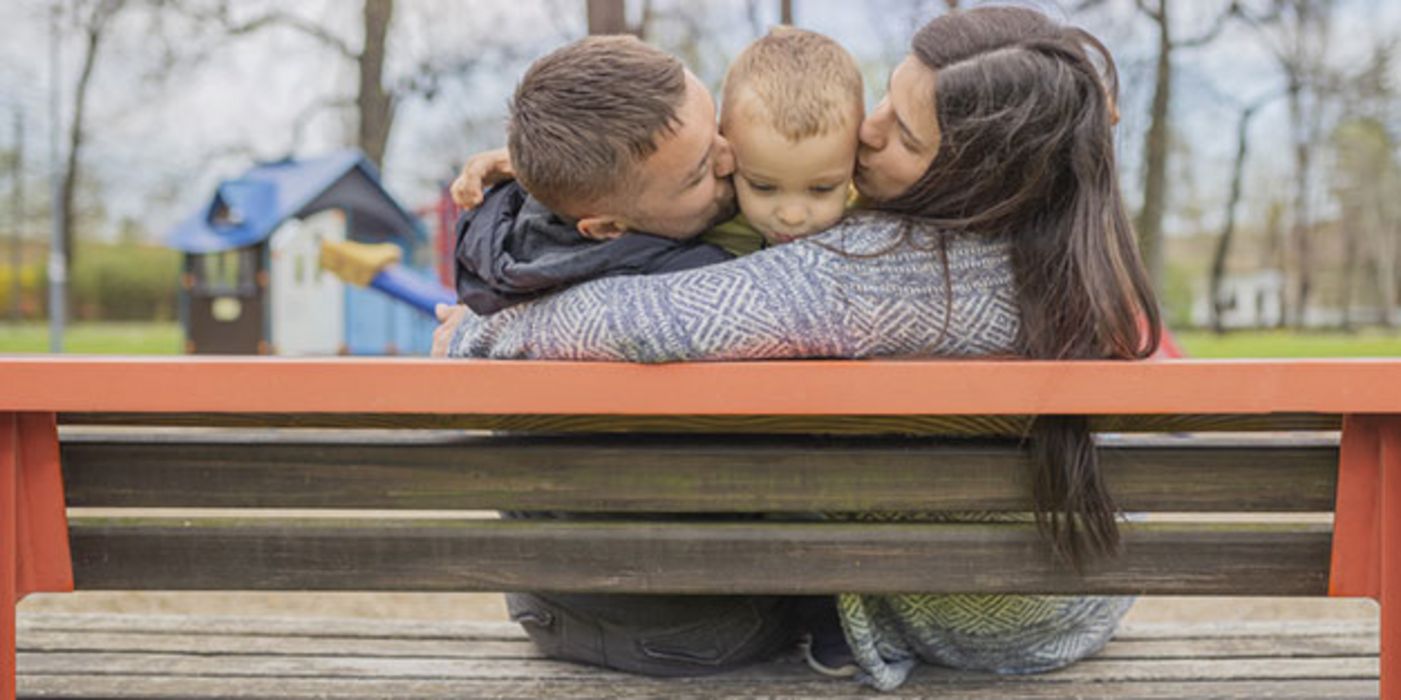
column 641, row 557
column 279, row 469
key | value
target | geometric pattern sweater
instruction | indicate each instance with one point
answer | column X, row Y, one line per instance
column 857, row 290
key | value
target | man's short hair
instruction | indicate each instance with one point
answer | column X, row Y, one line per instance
column 801, row 83
column 585, row 115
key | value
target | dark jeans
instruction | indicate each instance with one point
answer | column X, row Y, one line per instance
column 664, row 635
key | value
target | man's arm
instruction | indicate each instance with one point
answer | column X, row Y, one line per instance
column 762, row 306
column 481, row 171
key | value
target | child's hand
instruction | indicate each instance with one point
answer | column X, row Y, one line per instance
column 481, row 171
column 448, row 318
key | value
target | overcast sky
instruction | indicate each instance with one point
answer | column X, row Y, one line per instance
column 160, row 139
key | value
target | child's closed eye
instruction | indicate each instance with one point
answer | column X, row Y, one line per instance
column 760, row 187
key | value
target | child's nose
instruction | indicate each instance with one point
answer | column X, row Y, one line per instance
column 791, row 215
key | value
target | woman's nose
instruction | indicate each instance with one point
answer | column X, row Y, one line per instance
column 870, row 133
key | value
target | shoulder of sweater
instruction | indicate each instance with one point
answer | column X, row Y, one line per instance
column 873, row 233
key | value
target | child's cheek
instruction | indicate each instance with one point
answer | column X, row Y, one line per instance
column 749, row 205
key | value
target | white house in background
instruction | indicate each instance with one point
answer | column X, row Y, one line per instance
column 1252, row 300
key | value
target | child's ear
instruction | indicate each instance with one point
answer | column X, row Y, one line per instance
column 601, row 228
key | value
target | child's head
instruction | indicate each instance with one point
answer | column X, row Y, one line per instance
column 792, row 108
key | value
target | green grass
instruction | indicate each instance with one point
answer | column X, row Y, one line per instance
column 165, row 338
column 96, row 338
column 1370, row 343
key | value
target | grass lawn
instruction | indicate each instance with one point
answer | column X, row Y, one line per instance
column 1370, row 343
column 153, row 338
column 102, row 338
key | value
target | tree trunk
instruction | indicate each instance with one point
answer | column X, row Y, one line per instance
column 94, row 29
column 608, row 17
column 374, row 103
column 1299, row 230
column 17, row 243
column 1223, row 245
column 1155, row 156
column 1351, row 222
column 785, row 12
column 1385, row 233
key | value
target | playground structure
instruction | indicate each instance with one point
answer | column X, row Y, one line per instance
column 253, row 282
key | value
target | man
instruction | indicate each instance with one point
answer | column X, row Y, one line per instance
column 614, row 138
column 618, row 166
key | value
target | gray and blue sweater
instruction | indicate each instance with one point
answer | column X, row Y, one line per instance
column 861, row 289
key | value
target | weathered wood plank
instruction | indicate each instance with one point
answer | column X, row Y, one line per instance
column 1011, row 426
column 320, row 645
column 659, row 474
column 218, row 664
column 341, row 666
column 1285, row 631
column 467, row 630
column 34, row 641
column 711, row 557
column 165, row 688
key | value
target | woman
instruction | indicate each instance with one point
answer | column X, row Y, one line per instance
column 996, row 228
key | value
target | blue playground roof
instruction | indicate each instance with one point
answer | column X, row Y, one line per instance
column 247, row 209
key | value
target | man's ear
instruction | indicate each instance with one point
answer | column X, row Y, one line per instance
column 601, row 228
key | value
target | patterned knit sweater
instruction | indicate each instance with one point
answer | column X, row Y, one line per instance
column 858, row 290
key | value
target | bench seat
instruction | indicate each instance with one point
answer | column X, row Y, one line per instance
column 146, row 656
column 247, row 474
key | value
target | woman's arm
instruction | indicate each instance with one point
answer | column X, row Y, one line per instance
column 767, row 305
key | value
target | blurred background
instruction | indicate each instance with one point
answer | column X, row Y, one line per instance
column 176, row 164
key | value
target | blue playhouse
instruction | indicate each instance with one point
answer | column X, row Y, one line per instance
column 253, row 282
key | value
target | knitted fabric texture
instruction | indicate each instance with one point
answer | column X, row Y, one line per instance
column 873, row 286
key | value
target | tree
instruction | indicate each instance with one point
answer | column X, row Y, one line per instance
column 1156, row 147
column 377, row 98
column 1298, row 33
column 1228, row 229
column 93, row 18
column 609, row 17
column 1367, row 178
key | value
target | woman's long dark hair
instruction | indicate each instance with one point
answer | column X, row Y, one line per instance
column 1027, row 151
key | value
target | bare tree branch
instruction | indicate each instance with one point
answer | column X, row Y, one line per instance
column 277, row 18
column 1143, row 7
column 1217, row 27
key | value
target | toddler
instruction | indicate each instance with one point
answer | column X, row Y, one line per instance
column 791, row 107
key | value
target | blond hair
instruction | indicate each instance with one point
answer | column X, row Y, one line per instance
column 801, row 83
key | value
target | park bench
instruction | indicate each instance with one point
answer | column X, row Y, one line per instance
column 1191, row 444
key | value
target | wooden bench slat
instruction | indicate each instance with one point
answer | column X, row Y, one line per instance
column 776, row 387
column 758, row 557
column 147, row 687
column 37, row 641
column 199, row 664
column 248, row 644
column 467, row 630
column 834, row 424
column 1281, row 631
column 673, row 474
column 1202, row 663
